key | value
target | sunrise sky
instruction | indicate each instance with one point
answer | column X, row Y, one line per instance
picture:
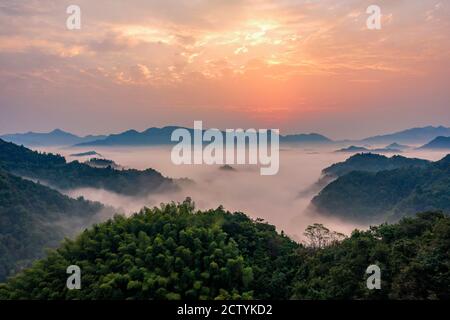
column 301, row 66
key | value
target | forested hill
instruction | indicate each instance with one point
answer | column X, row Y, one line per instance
column 372, row 162
column 387, row 195
column 176, row 252
column 169, row 253
column 34, row 217
column 54, row 170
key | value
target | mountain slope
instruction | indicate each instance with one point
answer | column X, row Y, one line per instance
column 54, row 138
column 370, row 162
column 439, row 143
column 387, row 195
column 412, row 136
column 373, row 163
column 34, row 217
column 54, row 170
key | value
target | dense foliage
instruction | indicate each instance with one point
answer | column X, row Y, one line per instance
column 167, row 253
column 34, row 217
column 176, row 252
column 54, row 170
column 387, row 195
column 413, row 255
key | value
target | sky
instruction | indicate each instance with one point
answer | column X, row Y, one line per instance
column 297, row 66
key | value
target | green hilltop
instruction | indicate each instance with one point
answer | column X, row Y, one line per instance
column 177, row 252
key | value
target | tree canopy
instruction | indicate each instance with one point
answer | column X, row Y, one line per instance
column 178, row 252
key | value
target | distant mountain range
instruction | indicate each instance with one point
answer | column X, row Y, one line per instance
column 410, row 136
column 313, row 138
column 56, row 137
column 355, row 149
column 439, row 143
column 161, row 136
column 151, row 136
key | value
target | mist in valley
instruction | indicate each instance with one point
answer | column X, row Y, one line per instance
column 282, row 199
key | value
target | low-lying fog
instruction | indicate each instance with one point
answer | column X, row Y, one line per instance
column 277, row 199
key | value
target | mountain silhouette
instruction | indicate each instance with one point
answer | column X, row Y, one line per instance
column 56, row 137
column 439, row 143
column 410, row 136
